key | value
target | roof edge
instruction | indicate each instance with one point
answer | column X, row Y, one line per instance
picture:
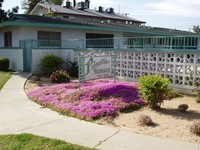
column 38, row 4
column 29, row 24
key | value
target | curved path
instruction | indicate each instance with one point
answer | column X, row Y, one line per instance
column 18, row 114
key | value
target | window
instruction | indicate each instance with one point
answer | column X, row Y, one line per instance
column 94, row 40
column 8, row 39
column 49, row 39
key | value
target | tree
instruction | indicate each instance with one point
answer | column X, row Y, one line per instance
column 28, row 5
column 14, row 11
column 4, row 15
column 196, row 29
column 2, row 12
column 1, row 1
column 56, row 2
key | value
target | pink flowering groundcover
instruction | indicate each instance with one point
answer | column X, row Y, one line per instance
column 97, row 98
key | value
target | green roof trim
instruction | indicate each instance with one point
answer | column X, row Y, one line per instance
column 32, row 24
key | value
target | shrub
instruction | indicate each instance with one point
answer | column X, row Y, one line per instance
column 173, row 94
column 60, row 76
column 153, row 89
column 51, row 63
column 195, row 128
column 72, row 67
column 4, row 64
column 145, row 120
column 183, row 107
column 196, row 84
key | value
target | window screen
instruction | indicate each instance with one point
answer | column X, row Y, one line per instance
column 49, row 39
column 94, row 40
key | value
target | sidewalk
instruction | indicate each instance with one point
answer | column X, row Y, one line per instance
column 18, row 114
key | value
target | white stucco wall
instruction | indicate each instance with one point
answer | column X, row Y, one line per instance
column 38, row 54
column 31, row 32
column 16, row 35
column 26, row 33
column 15, row 56
column 66, row 34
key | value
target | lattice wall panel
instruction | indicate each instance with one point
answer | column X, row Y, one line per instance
column 175, row 66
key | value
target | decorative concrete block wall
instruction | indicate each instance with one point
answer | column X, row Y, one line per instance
column 131, row 65
column 175, row 66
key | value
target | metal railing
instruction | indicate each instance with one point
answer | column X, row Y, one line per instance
column 162, row 42
column 169, row 42
column 100, row 43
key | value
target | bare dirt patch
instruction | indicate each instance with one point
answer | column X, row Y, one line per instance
column 169, row 122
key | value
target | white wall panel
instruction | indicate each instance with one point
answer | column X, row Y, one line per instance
column 38, row 54
column 15, row 56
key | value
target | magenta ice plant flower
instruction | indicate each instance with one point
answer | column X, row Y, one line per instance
column 96, row 98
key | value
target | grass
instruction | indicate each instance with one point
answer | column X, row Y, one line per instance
column 4, row 77
column 32, row 142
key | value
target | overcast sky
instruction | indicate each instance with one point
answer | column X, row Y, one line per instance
column 179, row 14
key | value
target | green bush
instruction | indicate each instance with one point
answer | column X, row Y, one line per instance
column 153, row 89
column 196, row 89
column 51, row 63
column 196, row 85
column 4, row 64
column 60, row 76
column 173, row 94
column 72, row 67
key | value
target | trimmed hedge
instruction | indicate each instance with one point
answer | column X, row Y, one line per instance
column 4, row 64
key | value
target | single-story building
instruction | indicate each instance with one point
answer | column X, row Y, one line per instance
column 64, row 30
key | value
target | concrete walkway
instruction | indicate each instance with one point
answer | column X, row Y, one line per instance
column 18, row 114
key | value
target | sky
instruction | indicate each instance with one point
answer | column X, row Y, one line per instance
column 175, row 14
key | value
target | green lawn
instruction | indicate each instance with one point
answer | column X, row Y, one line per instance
column 33, row 142
column 4, row 76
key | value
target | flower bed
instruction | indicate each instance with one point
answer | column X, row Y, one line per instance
column 96, row 98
